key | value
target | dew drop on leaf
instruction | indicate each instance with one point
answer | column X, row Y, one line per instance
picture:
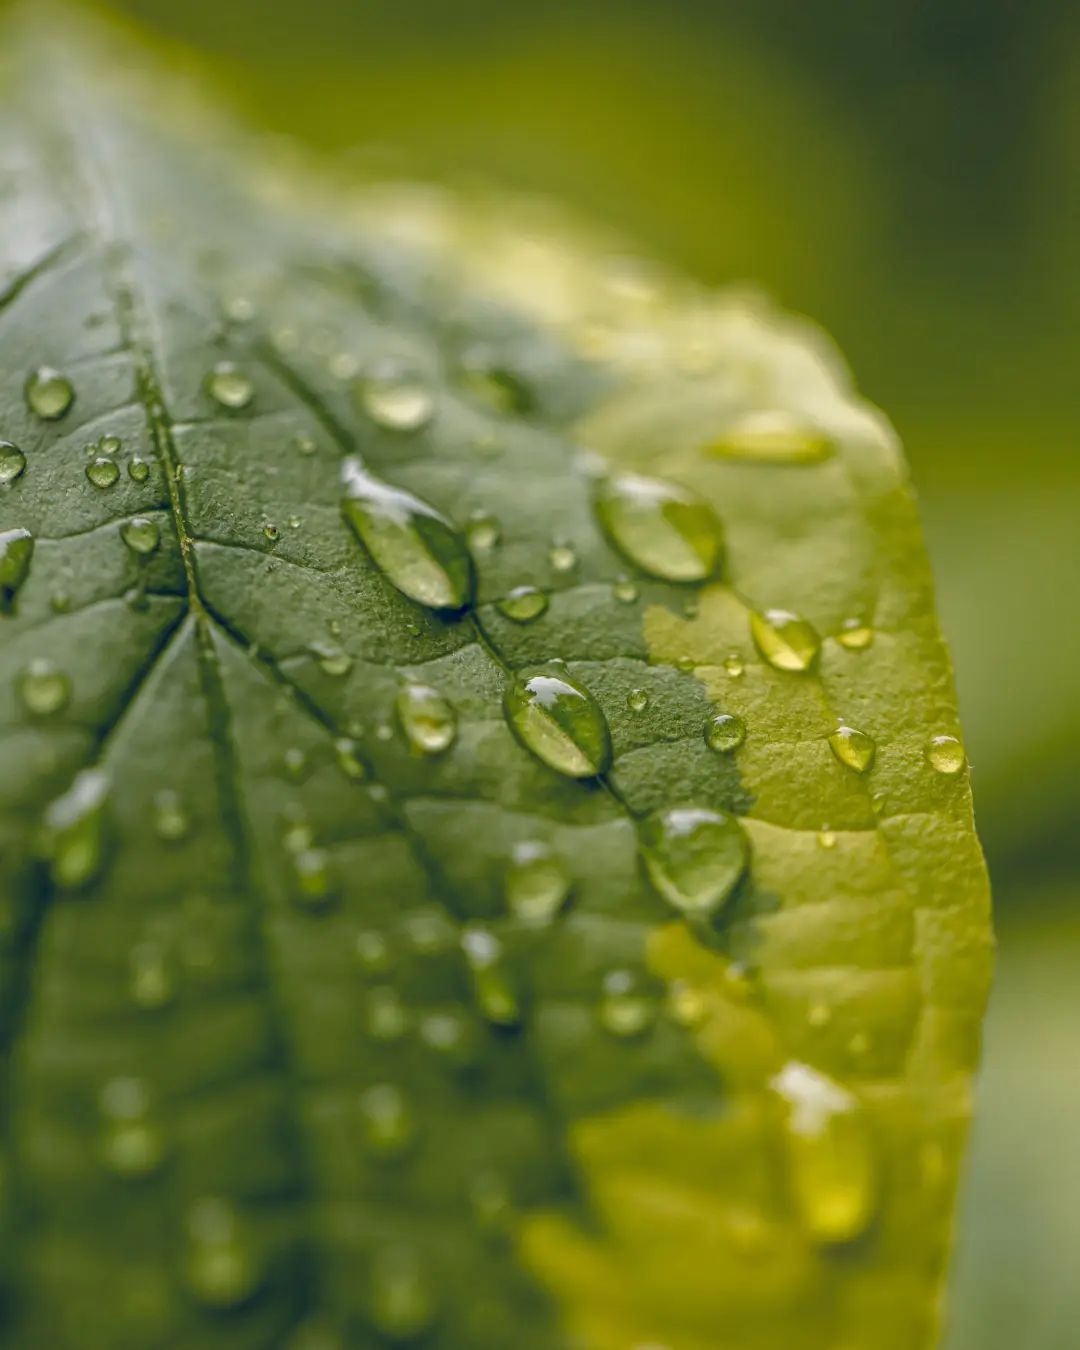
column 150, row 980
column 348, row 759
column 294, row 761
column 494, row 383
column 854, row 749
column 12, row 462
column 733, row 666
column 626, row 1009
column 16, row 555
column 785, row 640
column 109, row 445
column 663, row 529
column 694, row 856
column 560, row 722
column 946, row 754
column 427, row 719
column 724, row 732
column 626, row 592
column 220, row 1267
column 482, row 531
column 333, row 661
column 230, row 386
column 49, row 394
column 141, row 534
column 562, row 557
column 637, row 700
column 395, row 398
column 537, row 884
column 826, row 837
column 373, row 954
column 132, row 1144
column 417, row 549
column 102, row 471
column 523, row 604
column 138, row 469
column 44, row 688
column 74, row 830
column 387, row 1120
column 312, row 881
column 493, row 983
column 171, row 820
column 855, row 634
column 772, row 437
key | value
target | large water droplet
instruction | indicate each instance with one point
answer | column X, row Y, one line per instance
column 946, row 754
column 494, row 985
column 74, row 830
column 132, row 1145
column 784, row 640
column 854, row 749
column 12, row 462
column 663, row 529
column 141, row 534
column 44, row 688
column 387, row 1120
column 220, row 1269
column 102, row 471
column 523, row 604
column 694, row 856
column 16, row 554
column 637, row 700
column 831, row 1163
column 537, row 883
column 560, row 722
column 395, row 398
column 626, row 1008
column 402, row 1304
column 427, row 719
column 725, row 732
column 772, row 437
column 230, row 386
column 49, row 394
column 418, row 550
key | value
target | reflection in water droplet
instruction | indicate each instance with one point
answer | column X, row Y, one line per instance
column 854, row 749
column 946, row 754
column 772, row 437
column 138, row 469
column 661, row 528
column 637, row 700
column 427, row 719
column 12, row 462
column 395, row 398
column 523, row 604
column 171, row 821
column 387, row 1120
column 220, row 1268
column 44, row 688
column 855, row 635
column 537, row 883
column 74, row 830
column 733, row 666
column 402, row 1304
column 230, row 387
column 16, row 555
column 831, row 1164
column 49, row 394
column 562, row 557
column 694, row 856
column 141, row 534
column 102, row 471
column 493, row 982
column 418, row 550
column 132, row 1144
column 560, row 722
column 784, row 640
column 725, row 732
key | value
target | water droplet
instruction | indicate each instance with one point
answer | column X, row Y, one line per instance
column 12, row 462
column 373, row 952
column 946, row 754
column 49, row 394
column 402, row 1305
column 141, row 534
column 16, row 554
column 855, row 634
column 452, row 1037
column 637, row 700
column 733, row 666
column 74, row 830
column 418, row 550
column 138, row 469
column 725, row 732
column 151, row 982
column 772, row 437
column 784, row 640
column 132, row 1144
column 387, row 1017
column 427, row 719
column 562, row 557
column 626, row 592
column 109, row 445
column 396, row 399
column 171, row 821
column 537, row 883
column 60, row 602
column 220, row 1269
column 271, row 532
column 625, row 1009
column 44, row 688
column 305, row 444
column 560, row 722
column 294, row 761
column 826, row 838
column 494, row 986
column 102, row 471
column 482, row 531
column 854, row 749
column 230, row 387
column 387, row 1120
column 312, row 881
column 831, row 1164
column 523, row 604
column 686, row 1004
column 695, row 857
column 348, row 761
column 661, row 528
column 495, row 384
column 333, row 661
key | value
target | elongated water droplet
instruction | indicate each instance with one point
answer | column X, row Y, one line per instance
column 230, row 386
column 171, row 820
column 74, row 830
column 387, row 1120
column 132, row 1145
column 418, row 550
column 626, row 1009
column 854, row 749
column 661, row 528
column 16, row 555
column 138, row 469
column 396, row 399
column 637, row 700
column 102, row 471
column 537, row 883
column 725, row 732
column 402, row 1304
column 560, row 722
column 946, row 754
column 523, row 604
column 494, row 985
column 427, row 719
column 772, row 437
column 695, row 857
column 784, row 640
column 831, row 1164
column 220, row 1269
column 44, row 688
column 141, row 534
column 855, row 634
column 12, row 462
column 49, row 394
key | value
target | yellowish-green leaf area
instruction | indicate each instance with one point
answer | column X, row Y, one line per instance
column 485, row 844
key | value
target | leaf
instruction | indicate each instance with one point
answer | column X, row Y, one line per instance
column 344, row 1003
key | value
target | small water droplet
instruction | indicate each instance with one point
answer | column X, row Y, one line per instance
column 418, row 550
column 686, row 1004
column 44, row 688
column 733, row 666
column 402, row 1305
column 695, row 857
column 637, row 700
column 333, row 661
column 109, row 445
column 132, row 1144
column 626, row 1009
column 387, row 1120
column 626, row 592
column 523, row 604
column 138, row 469
column 239, row 308
column 772, row 437
column 725, row 732
column 271, row 532
column 831, row 1165
column 220, row 1268
column 294, row 761
column 387, row 1018
column 826, row 838
column 102, row 471
column 348, row 760
column 494, row 986
column 151, row 981
column 49, row 394
column 562, row 557
column 784, row 640
column 230, row 386
column 74, row 830
column 12, row 462
column 396, row 399
column 560, row 722
column 141, row 534
column 854, row 749
column 482, row 531
column 855, row 634
column 537, row 884
column 427, row 719
column 60, row 602
column 661, row 528
column 452, row 1037
column 171, row 820
column 494, row 383
column 313, row 885
column 16, row 555
column 945, row 754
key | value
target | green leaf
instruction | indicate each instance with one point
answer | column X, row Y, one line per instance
column 397, row 948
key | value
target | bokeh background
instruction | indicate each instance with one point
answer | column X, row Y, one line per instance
column 908, row 172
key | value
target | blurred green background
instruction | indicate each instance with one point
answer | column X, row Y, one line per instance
column 908, row 173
